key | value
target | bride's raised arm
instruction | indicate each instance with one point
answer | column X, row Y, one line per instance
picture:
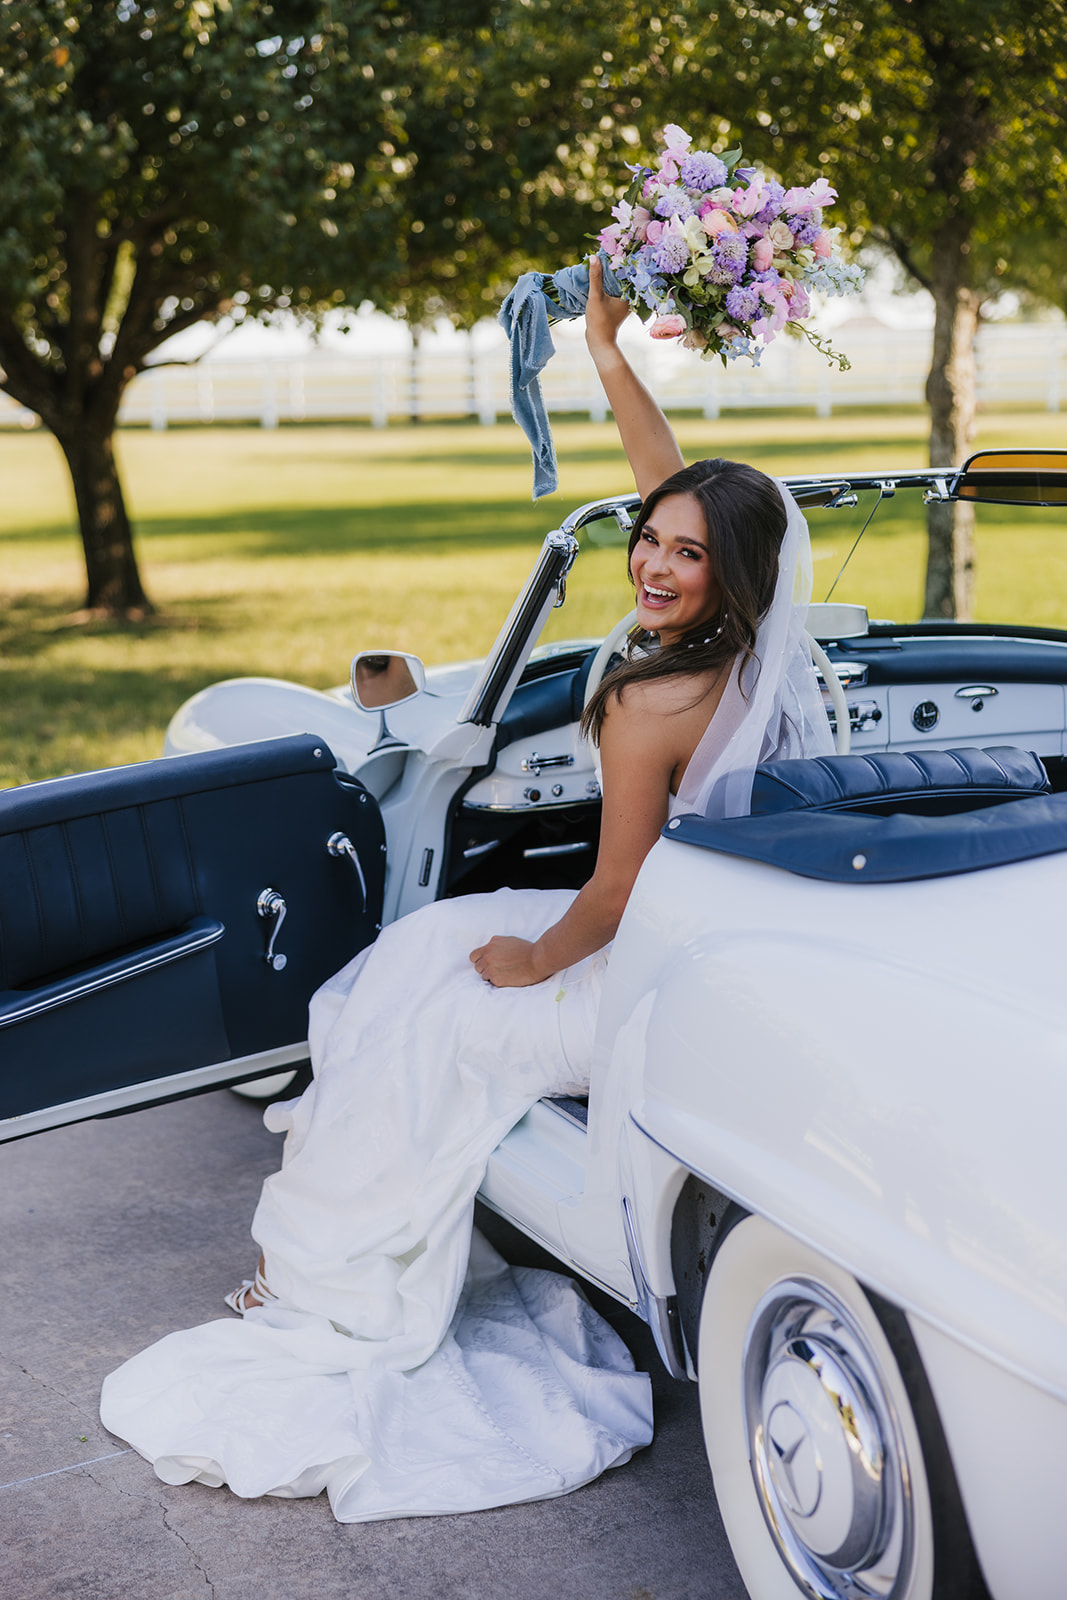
column 651, row 448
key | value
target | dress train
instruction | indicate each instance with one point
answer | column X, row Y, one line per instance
column 404, row 1368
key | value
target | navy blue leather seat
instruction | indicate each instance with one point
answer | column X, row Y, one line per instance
column 892, row 818
column 921, row 782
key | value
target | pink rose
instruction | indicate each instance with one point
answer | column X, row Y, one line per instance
column 668, row 326
column 762, row 255
column 654, row 231
column 822, row 246
column 716, row 222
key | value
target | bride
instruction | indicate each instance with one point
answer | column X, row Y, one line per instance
column 383, row 1353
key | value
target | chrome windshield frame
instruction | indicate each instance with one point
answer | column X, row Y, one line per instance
column 545, row 586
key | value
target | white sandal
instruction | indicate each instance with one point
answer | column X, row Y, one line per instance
column 237, row 1299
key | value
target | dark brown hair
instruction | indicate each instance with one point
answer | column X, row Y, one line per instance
column 745, row 518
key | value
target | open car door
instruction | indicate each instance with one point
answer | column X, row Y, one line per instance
column 163, row 926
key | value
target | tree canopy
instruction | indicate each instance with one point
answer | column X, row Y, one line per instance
column 171, row 161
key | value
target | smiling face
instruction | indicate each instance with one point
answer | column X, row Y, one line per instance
column 677, row 587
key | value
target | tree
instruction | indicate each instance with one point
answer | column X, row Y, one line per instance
column 165, row 164
column 490, row 120
column 939, row 121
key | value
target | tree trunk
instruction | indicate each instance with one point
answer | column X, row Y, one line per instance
column 114, row 583
column 951, row 392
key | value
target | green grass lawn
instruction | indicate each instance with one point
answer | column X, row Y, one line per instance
column 282, row 553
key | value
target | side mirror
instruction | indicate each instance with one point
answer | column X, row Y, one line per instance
column 382, row 679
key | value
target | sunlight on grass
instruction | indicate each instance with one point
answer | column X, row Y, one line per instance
column 282, row 553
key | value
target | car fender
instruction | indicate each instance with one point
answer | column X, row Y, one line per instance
column 238, row 710
column 878, row 1069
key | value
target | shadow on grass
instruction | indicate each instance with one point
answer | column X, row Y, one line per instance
column 31, row 626
column 53, row 722
column 388, row 530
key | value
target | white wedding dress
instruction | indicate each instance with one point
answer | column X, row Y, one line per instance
column 404, row 1367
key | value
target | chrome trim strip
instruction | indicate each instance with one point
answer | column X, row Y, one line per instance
column 537, row 851
column 659, row 1311
column 488, row 698
column 555, row 1252
column 178, row 947
column 529, row 806
column 138, row 1094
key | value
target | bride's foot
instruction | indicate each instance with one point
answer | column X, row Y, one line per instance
column 252, row 1293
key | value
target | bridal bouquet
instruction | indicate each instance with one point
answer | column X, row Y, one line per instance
column 721, row 256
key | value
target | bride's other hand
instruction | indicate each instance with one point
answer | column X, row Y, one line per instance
column 507, row 963
column 604, row 313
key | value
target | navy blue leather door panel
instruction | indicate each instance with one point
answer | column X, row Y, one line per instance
column 112, row 883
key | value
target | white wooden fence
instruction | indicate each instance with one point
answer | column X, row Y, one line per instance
column 1018, row 364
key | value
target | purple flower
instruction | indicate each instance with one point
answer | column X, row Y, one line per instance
column 805, row 230
column 702, row 170
column 674, row 202
column 730, row 255
column 671, row 254
column 742, row 303
column 773, row 197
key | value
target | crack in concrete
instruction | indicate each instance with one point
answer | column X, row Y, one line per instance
column 147, row 1498
column 192, row 1553
column 49, row 1388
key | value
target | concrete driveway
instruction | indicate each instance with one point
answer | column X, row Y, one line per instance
column 119, row 1231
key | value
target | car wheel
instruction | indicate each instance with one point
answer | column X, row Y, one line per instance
column 822, row 1459
column 278, row 1086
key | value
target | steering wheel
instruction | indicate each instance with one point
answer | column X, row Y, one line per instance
column 612, row 646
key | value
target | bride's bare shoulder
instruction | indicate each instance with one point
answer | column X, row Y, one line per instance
column 676, row 695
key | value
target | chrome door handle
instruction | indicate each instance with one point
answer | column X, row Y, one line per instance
column 976, row 693
column 535, row 764
column 339, row 844
column 271, row 904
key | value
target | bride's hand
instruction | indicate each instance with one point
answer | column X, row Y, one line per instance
column 604, row 314
column 506, row 963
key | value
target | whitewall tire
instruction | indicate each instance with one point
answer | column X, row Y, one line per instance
column 269, row 1088
column 815, row 1451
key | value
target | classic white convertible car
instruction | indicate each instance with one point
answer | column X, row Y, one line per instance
column 822, row 1149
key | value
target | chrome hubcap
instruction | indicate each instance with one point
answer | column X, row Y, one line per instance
column 824, row 1443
